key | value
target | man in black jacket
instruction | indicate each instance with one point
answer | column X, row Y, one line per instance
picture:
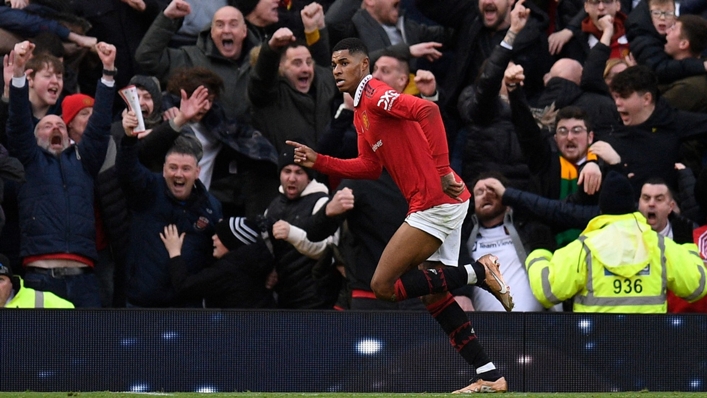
column 238, row 277
column 479, row 26
column 649, row 142
column 296, row 256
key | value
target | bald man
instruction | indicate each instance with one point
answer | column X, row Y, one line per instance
column 57, row 223
column 223, row 47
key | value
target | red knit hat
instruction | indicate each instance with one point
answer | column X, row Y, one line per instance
column 72, row 105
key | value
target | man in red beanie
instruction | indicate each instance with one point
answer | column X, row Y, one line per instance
column 75, row 111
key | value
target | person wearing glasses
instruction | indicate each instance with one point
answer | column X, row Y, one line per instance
column 648, row 37
column 560, row 174
column 576, row 43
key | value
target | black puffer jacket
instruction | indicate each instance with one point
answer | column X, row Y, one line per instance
column 473, row 43
column 491, row 143
column 296, row 285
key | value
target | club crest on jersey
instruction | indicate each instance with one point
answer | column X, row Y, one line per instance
column 387, row 99
column 365, row 121
column 201, row 223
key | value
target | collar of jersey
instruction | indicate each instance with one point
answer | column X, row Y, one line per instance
column 359, row 90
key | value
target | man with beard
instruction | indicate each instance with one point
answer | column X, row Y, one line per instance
column 57, row 223
column 558, row 175
column 498, row 229
column 479, row 27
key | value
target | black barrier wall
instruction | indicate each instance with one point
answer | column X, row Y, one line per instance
column 303, row 351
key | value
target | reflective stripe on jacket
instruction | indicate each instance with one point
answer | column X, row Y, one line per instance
column 30, row 298
column 620, row 265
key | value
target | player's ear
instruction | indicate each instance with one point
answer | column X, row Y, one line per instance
column 366, row 64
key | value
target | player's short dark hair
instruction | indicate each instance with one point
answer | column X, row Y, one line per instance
column 694, row 29
column 189, row 79
column 635, row 79
column 574, row 112
column 353, row 44
column 187, row 144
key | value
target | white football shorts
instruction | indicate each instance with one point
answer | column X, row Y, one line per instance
column 444, row 222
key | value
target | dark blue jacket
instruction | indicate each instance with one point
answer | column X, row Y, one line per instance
column 56, row 202
column 28, row 24
column 152, row 207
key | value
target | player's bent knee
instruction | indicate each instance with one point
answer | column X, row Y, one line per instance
column 383, row 291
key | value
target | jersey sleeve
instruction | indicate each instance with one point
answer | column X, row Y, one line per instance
column 365, row 166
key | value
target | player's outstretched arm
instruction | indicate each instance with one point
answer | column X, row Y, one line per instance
column 304, row 155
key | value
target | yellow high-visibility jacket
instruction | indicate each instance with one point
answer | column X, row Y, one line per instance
column 30, row 298
column 620, row 265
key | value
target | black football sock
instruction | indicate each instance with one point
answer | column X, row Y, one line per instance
column 416, row 283
column 456, row 324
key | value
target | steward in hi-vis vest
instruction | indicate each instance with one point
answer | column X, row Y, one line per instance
column 13, row 293
column 620, row 265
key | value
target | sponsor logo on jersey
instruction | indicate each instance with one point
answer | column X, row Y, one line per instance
column 387, row 99
column 377, row 145
column 369, row 91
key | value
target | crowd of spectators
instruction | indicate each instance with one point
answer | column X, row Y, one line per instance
column 206, row 207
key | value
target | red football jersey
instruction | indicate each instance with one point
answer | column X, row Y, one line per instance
column 404, row 134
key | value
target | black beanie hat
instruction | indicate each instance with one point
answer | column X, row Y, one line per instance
column 237, row 231
column 152, row 86
column 616, row 196
column 287, row 157
column 245, row 6
column 6, row 269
